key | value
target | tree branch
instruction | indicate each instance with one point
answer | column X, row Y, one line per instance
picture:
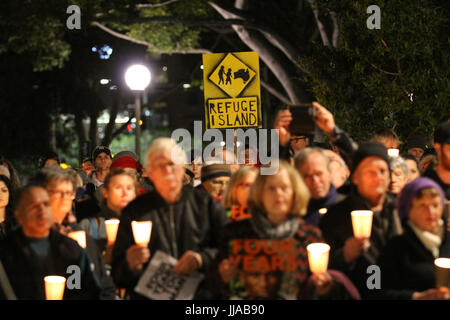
column 381, row 70
column 275, row 93
column 145, row 43
column 335, row 36
column 118, row 35
column 154, row 5
column 276, row 40
column 320, row 26
column 266, row 53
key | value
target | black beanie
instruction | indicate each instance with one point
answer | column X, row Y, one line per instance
column 417, row 142
column 212, row 171
column 369, row 149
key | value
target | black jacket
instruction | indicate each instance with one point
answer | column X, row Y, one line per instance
column 336, row 228
column 407, row 266
column 26, row 271
column 191, row 223
column 431, row 173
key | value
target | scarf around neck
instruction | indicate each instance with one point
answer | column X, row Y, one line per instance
column 430, row 240
column 267, row 230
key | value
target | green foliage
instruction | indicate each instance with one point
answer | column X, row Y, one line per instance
column 368, row 79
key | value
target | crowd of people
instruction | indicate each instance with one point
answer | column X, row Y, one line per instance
column 244, row 232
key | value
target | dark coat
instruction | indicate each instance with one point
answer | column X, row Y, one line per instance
column 313, row 216
column 336, row 228
column 8, row 226
column 26, row 271
column 431, row 173
column 407, row 266
column 196, row 221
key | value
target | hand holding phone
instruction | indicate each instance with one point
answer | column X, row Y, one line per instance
column 323, row 118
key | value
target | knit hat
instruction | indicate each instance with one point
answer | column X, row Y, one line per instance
column 369, row 149
column 417, row 142
column 98, row 150
column 442, row 133
column 212, row 171
column 410, row 190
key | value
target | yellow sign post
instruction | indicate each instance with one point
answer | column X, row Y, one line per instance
column 232, row 90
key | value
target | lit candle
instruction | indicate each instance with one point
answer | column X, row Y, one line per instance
column 442, row 272
column 323, row 210
column 318, row 257
column 78, row 236
column 393, row 152
column 54, row 287
column 111, row 230
column 362, row 223
column 141, row 232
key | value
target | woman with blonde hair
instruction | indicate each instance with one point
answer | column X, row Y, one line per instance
column 277, row 204
column 238, row 189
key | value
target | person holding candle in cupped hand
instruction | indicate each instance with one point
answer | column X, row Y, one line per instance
column 185, row 222
column 408, row 261
column 352, row 253
column 271, row 246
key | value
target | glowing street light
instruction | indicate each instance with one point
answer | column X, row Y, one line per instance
column 138, row 77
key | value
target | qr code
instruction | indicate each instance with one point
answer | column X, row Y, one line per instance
column 166, row 282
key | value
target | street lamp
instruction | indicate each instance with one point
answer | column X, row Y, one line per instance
column 138, row 78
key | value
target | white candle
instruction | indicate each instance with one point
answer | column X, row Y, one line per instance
column 54, row 287
column 142, row 231
column 318, row 257
column 111, row 230
column 393, row 152
column 362, row 223
column 442, row 272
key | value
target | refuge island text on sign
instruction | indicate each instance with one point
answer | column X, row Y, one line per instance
column 232, row 90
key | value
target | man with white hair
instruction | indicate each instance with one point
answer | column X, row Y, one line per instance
column 185, row 221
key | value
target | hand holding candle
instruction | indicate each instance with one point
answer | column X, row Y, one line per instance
column 54, row 287
column 318, row 257
column 142, row 231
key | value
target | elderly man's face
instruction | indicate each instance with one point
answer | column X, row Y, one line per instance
column 216, row 186
column 167, row 176
column 34, row 213
column 316, row 175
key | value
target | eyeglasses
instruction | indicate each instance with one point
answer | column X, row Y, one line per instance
column 61, row 194
column 295, row 139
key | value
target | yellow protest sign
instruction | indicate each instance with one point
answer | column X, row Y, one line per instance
column 232, row 90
